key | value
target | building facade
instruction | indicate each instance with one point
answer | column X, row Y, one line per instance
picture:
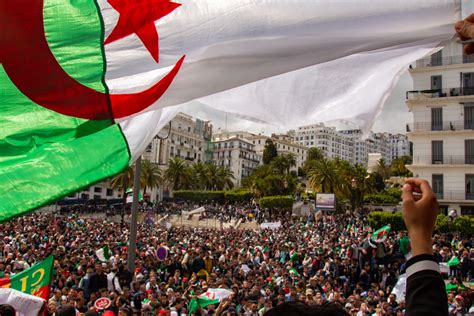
column 442, row 133
column 331, row 142
column 238, row 155
column 184, row 137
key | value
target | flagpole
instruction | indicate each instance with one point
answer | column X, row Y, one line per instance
column 133, row 221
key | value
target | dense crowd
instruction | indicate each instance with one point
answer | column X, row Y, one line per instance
column 318, row 260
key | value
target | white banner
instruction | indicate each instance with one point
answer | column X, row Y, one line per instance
column 270, row 225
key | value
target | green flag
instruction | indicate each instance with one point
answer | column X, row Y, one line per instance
column 103, row 253
column 33, row 281
column 454, row 261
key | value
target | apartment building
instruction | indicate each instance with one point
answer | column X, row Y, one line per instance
column 442, row 132
column 332, row 143
column 237, row 154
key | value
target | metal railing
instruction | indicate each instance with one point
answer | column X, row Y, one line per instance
column 439, row 93
column 454, row 195
column 443, row 126
column 443, row 61
column 443, row 160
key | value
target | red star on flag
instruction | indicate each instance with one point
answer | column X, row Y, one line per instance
column 139, row 16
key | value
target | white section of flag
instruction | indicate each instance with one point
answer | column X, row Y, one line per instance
column 24, row 304
column 400, row 288
column 287, row 62
column 219, row 294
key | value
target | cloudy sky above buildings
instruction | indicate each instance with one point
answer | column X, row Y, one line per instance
column 392, row 119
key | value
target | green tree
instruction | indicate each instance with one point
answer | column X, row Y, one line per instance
column 383, row 169
column 314, row 153
column 398, row 167
column 323, row 176
column 269, row 151
column 151, row 176
column 123, row 180
column 199, row 174
column 226, row 177
column 178, row 174
column 283, row 163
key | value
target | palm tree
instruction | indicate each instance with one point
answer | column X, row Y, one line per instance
column 121, row 182
column 323, row 176
column 178, row 174
column 150, row 176
column 225, row 177
column 212, row 177
column 199, row 170
column 383, row 168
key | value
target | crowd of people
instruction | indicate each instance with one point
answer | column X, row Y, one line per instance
column 329, row 259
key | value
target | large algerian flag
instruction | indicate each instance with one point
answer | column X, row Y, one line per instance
column 86, row 85
column 210, row 297
column 33, row 281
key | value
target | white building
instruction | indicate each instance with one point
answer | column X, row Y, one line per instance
column 332, row 143
column 283, row 143
column 187, row 138
column 237, row 154
column 98, row 191
column 442, row 103
column 389, row 146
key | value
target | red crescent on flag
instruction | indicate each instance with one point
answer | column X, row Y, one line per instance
column 32, row 67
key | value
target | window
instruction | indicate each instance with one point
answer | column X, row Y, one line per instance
column 437, row 152
column 438, row 186
column 436, row 119
column 437, row 58
column 469, row 186
column 468, row 83
column 436, row 83
column 110, row 192
column 469, row 116
column 97, row 190
column 469, row 151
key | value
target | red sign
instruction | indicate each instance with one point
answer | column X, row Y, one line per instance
column 102, row 303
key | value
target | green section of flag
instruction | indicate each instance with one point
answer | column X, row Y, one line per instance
column 45, row 155
column 200, row 302
column 454, row 261
column 34, row 280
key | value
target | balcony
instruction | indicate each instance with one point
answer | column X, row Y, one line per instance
column 444, row 61
column 443, row 160
column 439, row 93
column 455, row 195
column 445, row 126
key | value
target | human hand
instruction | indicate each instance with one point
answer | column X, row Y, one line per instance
column 465, row 31
column 420, row 209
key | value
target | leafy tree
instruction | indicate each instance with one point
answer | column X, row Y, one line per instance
column 398, row 167
column 123, row 180
column 283, row 163
column 199, row 174
column 383, row 169
column 269, row 151
column 266, row 181
column 323, row 176
column 150, row 176
column 226, row 177
column 314, row 153
column 178, row 174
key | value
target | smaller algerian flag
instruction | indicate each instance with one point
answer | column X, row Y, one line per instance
column 381, row 234
column 212, row 296
column 293, row 271
column 454, row 261
column 129, row 194
column 103, row 253
column 33, row 281
column 294, row 256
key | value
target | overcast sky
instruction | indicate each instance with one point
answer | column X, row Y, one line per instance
column 392, row 119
